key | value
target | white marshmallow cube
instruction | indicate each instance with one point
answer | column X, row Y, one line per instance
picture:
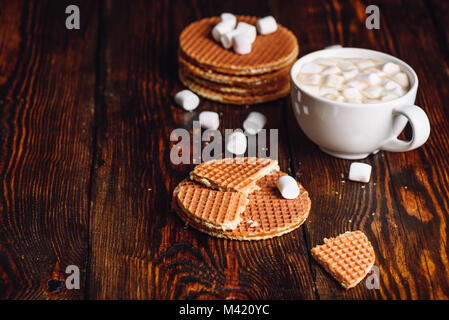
column 390, row 68
column 331, row 70
column 373, row 92
column 242, row 44
column 370, row 78
column 254, row 122
column 310, row 79
column 228, row 17
column 389, row 97
column 346, row 65
column 222, row 28
column 352, row 94
column 187, row 100
column 288, row 187
column 209, row 120
column 311, row 89
column 363, row 64
column 402, row 79
column 247, row 29
column 236, row 143
column 266, row 25
column 227, row 39
column 326, row 90
column 359, row 85
column 390, row 84
column 333, row 80
column 334, row 97
column 350, row 73
column 360, row 172
column 311, row 68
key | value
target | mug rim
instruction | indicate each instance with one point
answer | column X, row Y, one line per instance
column 388, row 57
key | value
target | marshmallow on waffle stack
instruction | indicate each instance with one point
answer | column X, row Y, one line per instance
column 223, row 75
column 239, row 202
column 348, row 257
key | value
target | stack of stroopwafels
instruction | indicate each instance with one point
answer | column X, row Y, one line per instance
column 216, row 73
column 239, row 199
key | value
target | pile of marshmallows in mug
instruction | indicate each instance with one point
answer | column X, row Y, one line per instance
column 241, row 35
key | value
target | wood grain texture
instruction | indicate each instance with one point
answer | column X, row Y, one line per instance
column 46, row 107
column 85, row 123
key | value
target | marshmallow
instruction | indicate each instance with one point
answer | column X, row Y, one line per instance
column 227, row 39
column 389, row 97
column 254, row 122
column 228, row 17
column 352, row 94
column 222, row 28
column 401, row 78
column 187, row 99
column 346, row 65
column 242, row 44
column 333, row 80
column 350, row 73
column 395, row 91
column 334, row 97
column 266, row 25
column 390, row 84
column 356, row 84
column 373, row 92
column 247, row 29
column 209, row 120
column 326, row 90
column 370, row 78
column 390, row 68
column 236, row 143
column 288, row 187
column 334, row 46
column 360, row 172
column 310, row 79
column 363, row 64
column 331, row 70
column 311, row 89
column 375, row 71
column 311, row 68
column 326, row 61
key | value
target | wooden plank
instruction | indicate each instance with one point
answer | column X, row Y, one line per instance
column 46, row 108
column 410, row 264
column 140, row 248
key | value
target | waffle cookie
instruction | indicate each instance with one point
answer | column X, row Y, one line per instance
column 233, row 174
column 348, row 257
column 266, row 214
column 219, row 74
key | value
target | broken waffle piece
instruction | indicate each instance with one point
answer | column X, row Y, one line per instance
column 233, row 174
column 348, row 257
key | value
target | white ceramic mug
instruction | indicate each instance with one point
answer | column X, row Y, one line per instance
column 354, row 131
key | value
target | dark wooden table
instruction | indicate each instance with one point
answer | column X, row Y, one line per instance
column 86, row 178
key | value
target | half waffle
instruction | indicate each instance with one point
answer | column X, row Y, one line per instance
column 233, row 174
column 348, row 257
column 266, row 215
column 269, row 52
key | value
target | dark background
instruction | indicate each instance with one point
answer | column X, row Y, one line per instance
column 86, row 180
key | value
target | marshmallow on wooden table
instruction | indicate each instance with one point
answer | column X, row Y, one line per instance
column 266, row 25
column 254, row 122
column 236, row 143
column 311, row 68
column 226, row 16
column 360, row 172
column 209, row 120
column 222, row 28
column 242, row 44
column 247, row 29
column 187, row 100
column 288, row 187
column 390, row 68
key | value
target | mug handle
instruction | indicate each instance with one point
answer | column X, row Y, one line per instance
column 420, row 126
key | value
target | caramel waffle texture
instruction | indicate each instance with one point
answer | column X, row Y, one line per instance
column 348, row 257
